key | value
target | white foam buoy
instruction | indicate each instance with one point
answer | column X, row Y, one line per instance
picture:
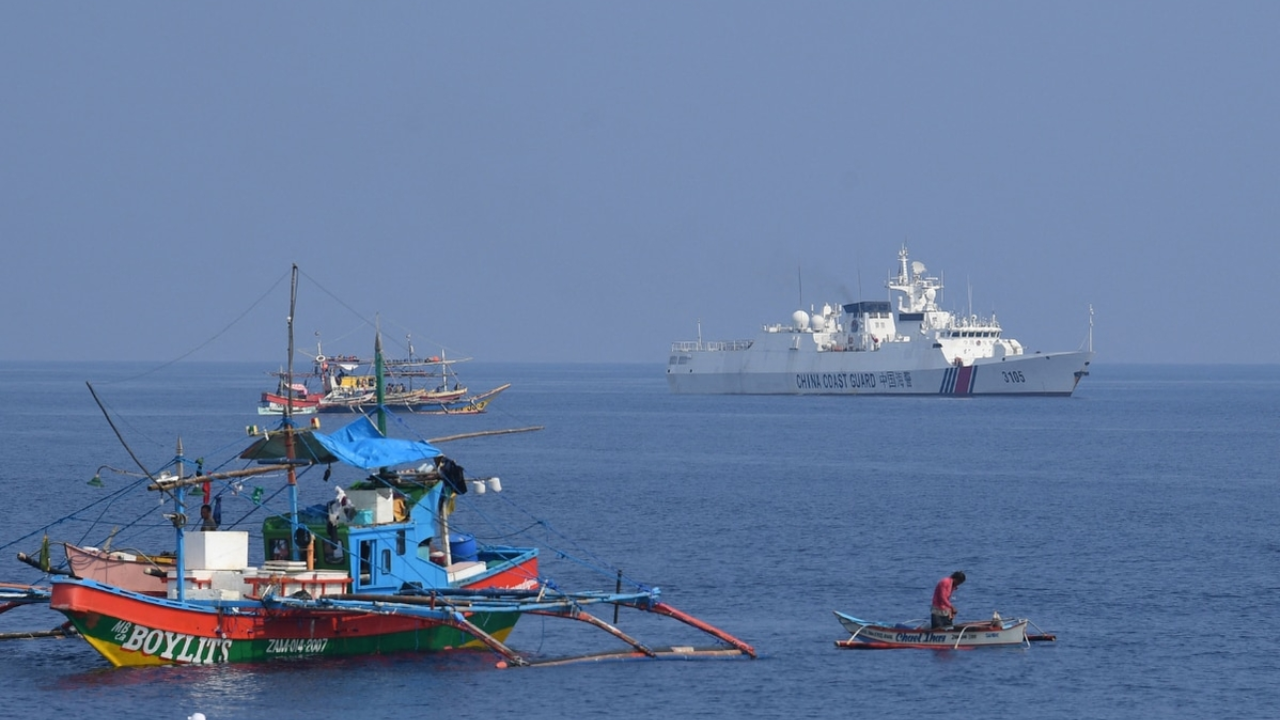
column 495, row 484
column 477, row 486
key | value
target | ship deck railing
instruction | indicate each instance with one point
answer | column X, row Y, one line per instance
column 717, row 346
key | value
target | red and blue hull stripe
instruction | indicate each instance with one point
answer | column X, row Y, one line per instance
column 957, row 381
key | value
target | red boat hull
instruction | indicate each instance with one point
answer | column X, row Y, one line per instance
column 131, row 629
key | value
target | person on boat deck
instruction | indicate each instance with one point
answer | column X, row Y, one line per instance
column 206, row 518
column 943, row 613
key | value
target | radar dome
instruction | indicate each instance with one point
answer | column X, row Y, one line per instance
column 930, row 294
column 800, row 319
column 917, row 267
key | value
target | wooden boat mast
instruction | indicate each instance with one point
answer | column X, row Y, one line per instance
column 290, row 452
column 180, row 551
column 378, row 372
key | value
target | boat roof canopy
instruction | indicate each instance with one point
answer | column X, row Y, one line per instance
column 359, row 444
column 270, row 448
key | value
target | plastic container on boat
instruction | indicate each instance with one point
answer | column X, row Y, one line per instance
column 217, row 550
column 462, row 547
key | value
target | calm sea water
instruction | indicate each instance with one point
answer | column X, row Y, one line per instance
column 1135, row 520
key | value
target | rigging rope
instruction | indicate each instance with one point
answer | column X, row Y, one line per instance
column 206, row 343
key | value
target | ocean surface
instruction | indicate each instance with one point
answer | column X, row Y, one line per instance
column 1137, row 521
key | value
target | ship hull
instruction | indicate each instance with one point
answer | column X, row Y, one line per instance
column 130, row 629
column 788, row 371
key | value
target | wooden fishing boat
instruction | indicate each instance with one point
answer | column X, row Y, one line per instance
column 427, row 385
column 996, row 632
column 297, row 396
column 378, row 569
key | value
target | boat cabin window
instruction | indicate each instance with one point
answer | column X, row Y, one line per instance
column 400, row 544
column 280, row 549
column 386, row 560
column 366, row 561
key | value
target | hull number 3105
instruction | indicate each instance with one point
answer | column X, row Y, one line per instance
column 1013, row 376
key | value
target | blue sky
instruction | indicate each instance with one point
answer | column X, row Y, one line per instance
column 587, row 181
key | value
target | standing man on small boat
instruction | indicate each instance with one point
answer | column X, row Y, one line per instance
column 943, row 613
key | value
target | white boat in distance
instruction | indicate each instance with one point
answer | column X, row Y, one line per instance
column 872, row 348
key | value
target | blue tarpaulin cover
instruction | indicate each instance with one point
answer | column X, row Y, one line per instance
column 359, row 444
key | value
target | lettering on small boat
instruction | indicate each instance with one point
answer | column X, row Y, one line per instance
column 296, row 645
column 178, row 647
column 921, row 637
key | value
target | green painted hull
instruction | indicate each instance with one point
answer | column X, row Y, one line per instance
column 131, row 630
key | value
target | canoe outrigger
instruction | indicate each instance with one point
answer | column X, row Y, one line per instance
column 13, row 595
column 869, row 635
column 377, row 570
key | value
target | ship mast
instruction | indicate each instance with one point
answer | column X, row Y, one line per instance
column 290, row 451
column 179, row 505
column 1090, row 327
column 380, row 391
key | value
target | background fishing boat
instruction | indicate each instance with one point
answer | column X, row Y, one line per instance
column 347, row 384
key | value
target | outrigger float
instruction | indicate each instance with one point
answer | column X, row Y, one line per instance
column 996, row 632
column 13, row 595
column 376, row 570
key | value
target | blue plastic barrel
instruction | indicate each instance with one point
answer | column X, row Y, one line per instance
column 462, row 547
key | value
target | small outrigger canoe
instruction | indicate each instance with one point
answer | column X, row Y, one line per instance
column 996, row 632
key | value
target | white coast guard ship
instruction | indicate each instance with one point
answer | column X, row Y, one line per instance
column 874, row 348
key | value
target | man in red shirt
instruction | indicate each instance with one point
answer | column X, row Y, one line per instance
column 943, row 613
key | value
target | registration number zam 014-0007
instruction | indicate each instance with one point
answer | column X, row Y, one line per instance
column 1013, row 376
column 297, row 645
